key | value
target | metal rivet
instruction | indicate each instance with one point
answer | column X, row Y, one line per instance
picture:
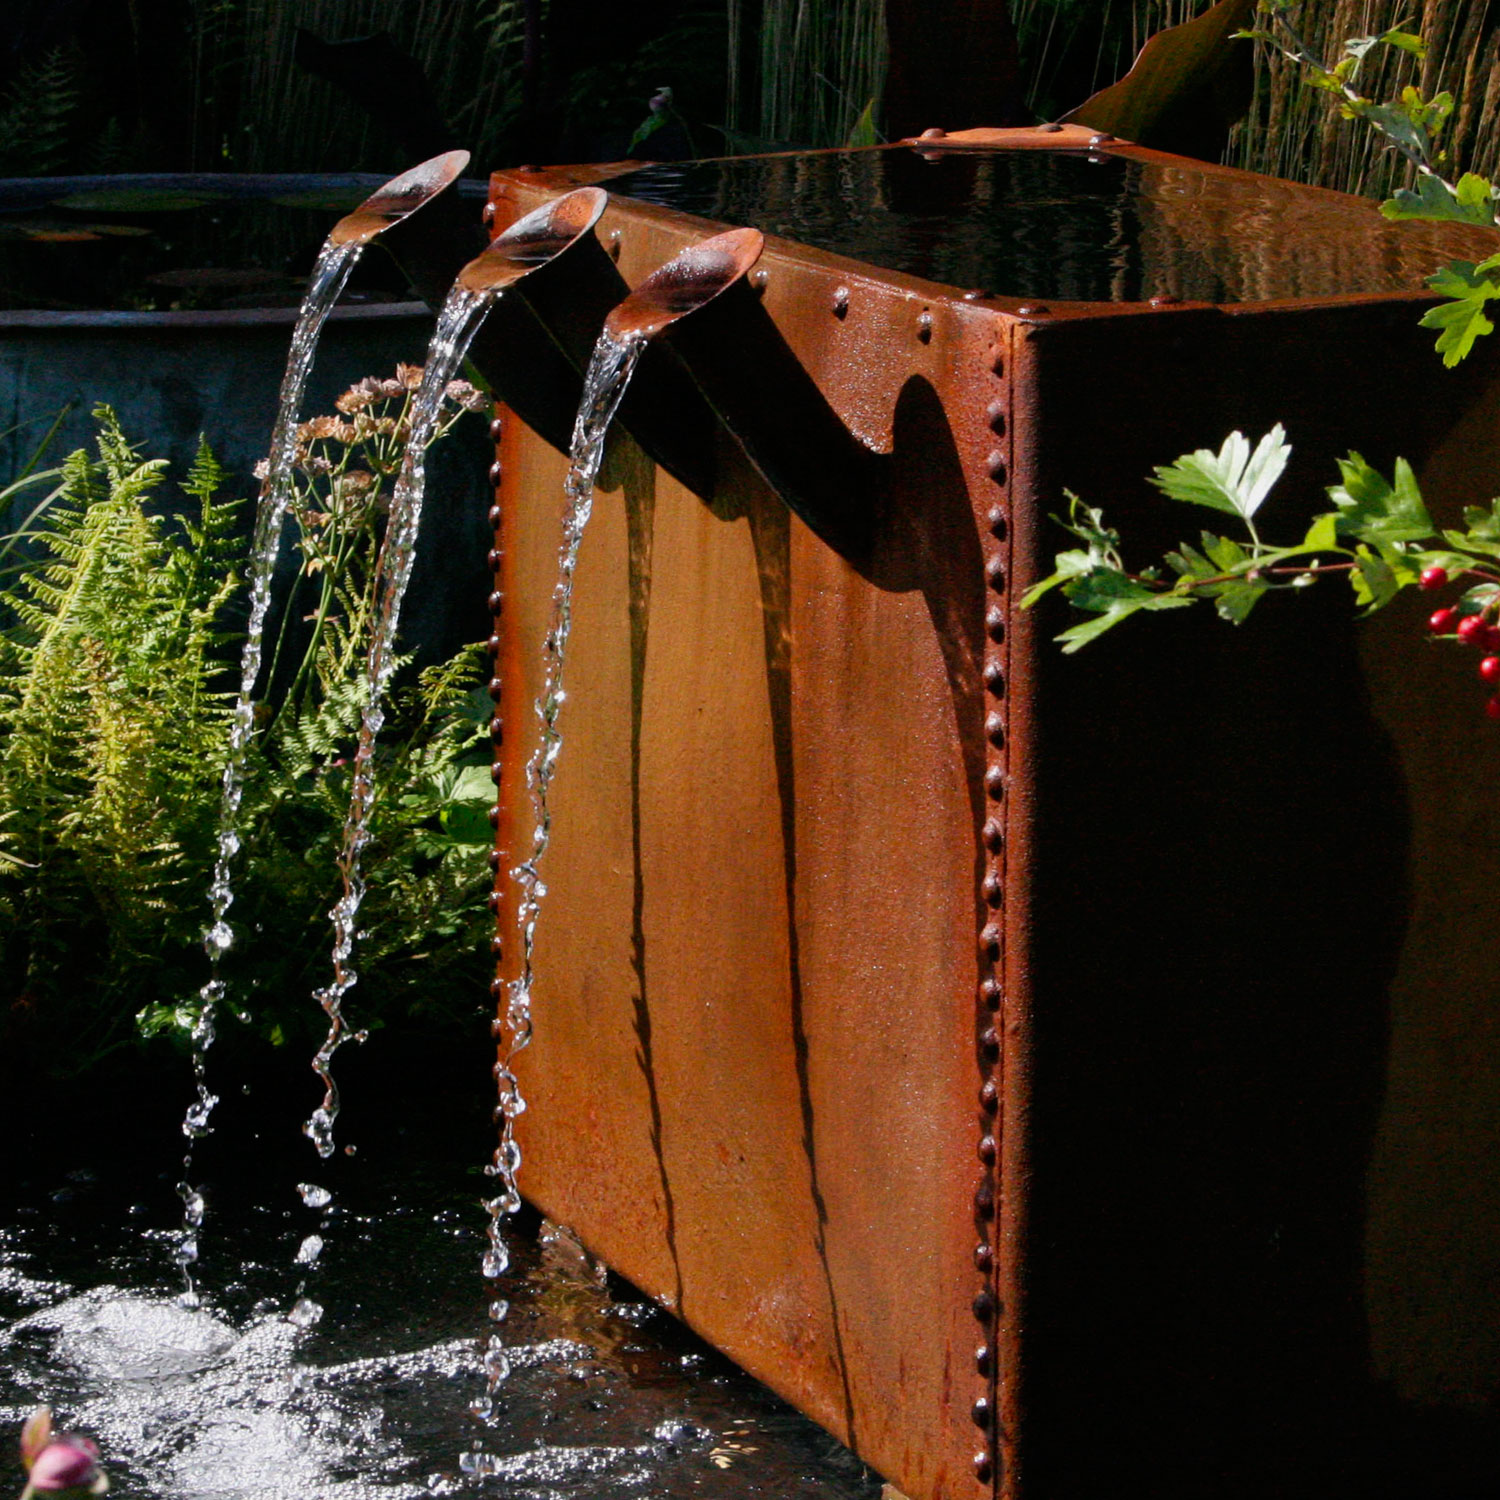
column 933, row 133
column 497, row 472
column 994, row 572
column 1164, row 299
column 992, row 889
column 994, row 783
column 997, row 361
column 924, row 327
column 497, row 728
column 984, row 1257
column 990, row 1042
column 1050, row 127
column 994, row 836
column 840, row 301
column 994, row 414
column 497, row 428
column 976, row 295
column 489, row 213
column 497, row 943
column 995, row 519
column 989, row 1097
column 984, row 1305
column 493, row 860
column 994, row 678
column 494, row 817
column 989, row 992
column 529, row 167
column 497, row 773
column 982, row 1468
column 496, row 688
column 492, row 557
column 984, row 1359
column 981, row 1412
column 990, row 940
column 1102, row 139
column 493, row 902
column 994, row 729
column 988, row 1151
column 495, row 601
column 493, row 645
column 614, row 244
column 984, row 1200
column 1032, row 309
column 497, row 989
column 758, row 280
column 494, row 515
column 994, row 623
column 994, row 465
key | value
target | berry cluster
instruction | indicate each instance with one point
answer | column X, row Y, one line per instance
column 1473, row 628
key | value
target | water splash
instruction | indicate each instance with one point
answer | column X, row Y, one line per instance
column 604, row 386
column 329, row 276
column 459, row 321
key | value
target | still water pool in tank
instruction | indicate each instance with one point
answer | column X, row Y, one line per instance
column 608, row 1397
column 1085, row 226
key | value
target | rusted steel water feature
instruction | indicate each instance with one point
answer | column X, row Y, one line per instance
column 981, row 1046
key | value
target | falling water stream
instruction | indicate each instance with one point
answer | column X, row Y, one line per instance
column 459, row 321
column 604, row 385
column 330, row 274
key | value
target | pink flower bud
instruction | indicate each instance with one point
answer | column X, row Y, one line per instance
column 68, row 1463
column 36, row 1434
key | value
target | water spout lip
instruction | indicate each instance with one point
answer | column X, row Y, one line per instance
column 687, row 282
column 532, row 241
column 399, row 197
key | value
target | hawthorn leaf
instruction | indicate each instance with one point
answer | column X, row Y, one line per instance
column 1322, row 535
column 1236, row 600
column 1234, row 479
column 1375, row 585
column 1471, row 203
column 1462, row 319
column 1069, row 565
column 1080, row 635
column 1375, row 510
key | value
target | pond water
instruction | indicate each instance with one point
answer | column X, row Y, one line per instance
column 609, row 1396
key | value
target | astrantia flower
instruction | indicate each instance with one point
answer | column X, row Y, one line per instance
column 410, row 376
column 461, row 393
column 359, row 395
column 58, row 1464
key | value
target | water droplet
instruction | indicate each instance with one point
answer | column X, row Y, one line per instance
column 305, row 1312
column 309, row 1250
column 314, row 1196
column 496, row 1261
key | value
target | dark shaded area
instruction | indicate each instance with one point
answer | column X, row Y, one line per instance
column 952, row 66
column 1217, row 881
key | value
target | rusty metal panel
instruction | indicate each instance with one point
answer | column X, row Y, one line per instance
column 903, row 1019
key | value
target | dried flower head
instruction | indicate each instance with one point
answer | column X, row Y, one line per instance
column 463, row 394
column 353, row 484
column 262, row 469
column 410, row 376
column 360, row 395
column 325, row 429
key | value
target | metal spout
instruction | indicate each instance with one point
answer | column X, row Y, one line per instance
column 686, row 283
column 533, row 241
column 399, row 198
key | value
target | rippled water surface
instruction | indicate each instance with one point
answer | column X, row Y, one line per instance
column 609, row 1396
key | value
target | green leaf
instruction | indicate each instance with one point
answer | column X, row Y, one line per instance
column 1374, row 583
column 1227, row 555
column 1103, row 588
column 863, row 132
column 1322, row 535
column 1121, row 609
column 1234, row 479
column 1470, row 203
column 1462, row 320
column 1235, row 600
column 1069, row 565
column 1375, row 511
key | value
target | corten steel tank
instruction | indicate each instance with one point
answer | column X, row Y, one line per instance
column 983, row 1046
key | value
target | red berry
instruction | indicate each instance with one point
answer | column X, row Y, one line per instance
column 1489, row 670
column 1472, row 630
column 1492, row 708
column 1443, row 621
column 1433, row 577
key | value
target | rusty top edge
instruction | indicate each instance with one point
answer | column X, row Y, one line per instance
column 399, row 197
column 685, row 283
column 533, row 240
column 1013, row 138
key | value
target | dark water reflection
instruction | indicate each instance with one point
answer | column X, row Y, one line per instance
column 1058, row 225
